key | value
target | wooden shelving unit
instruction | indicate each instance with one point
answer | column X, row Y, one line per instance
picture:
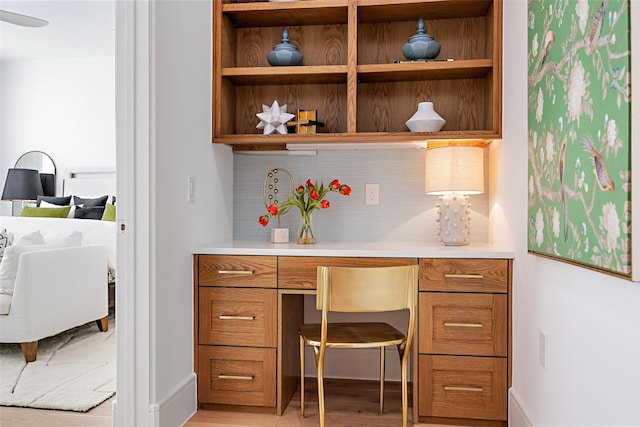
column 350, row 72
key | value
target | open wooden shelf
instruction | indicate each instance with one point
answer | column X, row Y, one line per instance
column 269, row 14
column 451, row 70
column 353, row 71
column 319, row 74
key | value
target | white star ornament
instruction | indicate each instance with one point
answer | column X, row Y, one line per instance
column 274, row 118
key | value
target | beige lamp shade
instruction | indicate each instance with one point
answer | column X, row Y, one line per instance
column 456, row 169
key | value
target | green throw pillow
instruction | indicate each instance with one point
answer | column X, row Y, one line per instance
column 46, row 212
column 109, row 212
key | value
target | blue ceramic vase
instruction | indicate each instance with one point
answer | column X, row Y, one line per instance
column 421, row 45
column 284, row 53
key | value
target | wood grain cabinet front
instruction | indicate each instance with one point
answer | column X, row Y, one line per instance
column 239, row 271
column 469, row 324
column 300, row 272
column 463, row 387
column 248, row 309
column 237, row 376
column 463, row 341
column 238, row 316
column 236, row 330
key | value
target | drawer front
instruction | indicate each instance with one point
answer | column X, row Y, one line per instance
column 237, row 376
column 238, row 316
column 464, row 324
column 301, row 272
column 463, row 387
column 464, row 275
column 239, row 271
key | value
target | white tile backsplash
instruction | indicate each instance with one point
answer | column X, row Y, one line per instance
column 405, row 213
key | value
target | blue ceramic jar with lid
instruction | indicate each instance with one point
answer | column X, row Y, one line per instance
column 421, row 46
column 284, row 53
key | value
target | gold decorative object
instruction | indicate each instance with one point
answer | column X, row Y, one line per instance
column 270, row 193
column 307, row 122
column 359, row 290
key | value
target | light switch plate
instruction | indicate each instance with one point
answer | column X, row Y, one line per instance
column 191, row 189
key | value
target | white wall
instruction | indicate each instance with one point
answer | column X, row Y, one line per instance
column 180, row 83
column 592, row 320
column 64, row 107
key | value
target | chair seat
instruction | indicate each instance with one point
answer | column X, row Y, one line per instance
column 353, row 335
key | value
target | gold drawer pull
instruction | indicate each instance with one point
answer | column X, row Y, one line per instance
column 458, row 388
column 463, row 325
column 229, row 317
column 247, row 272
column 236, row 377
column 463, row 276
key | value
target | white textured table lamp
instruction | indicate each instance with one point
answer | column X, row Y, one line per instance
column 454, row 172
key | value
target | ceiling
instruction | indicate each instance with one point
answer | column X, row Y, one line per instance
column 77, row 28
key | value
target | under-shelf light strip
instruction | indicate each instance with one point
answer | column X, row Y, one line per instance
column 356, row 146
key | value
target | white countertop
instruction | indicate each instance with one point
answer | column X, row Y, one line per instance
column 356, row 249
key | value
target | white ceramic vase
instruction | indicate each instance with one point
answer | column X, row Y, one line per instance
column 425, row 119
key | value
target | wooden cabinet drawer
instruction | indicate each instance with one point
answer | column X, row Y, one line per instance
column 237, row 376
column 463, row 387
column 238, row 316
column 464, row 324
column 239, row 271
column 301, row 272
column 464, row 275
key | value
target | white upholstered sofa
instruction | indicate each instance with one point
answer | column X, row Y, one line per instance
column 56, row 288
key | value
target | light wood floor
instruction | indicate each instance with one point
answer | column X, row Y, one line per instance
column 351, row 403
column 348, row 404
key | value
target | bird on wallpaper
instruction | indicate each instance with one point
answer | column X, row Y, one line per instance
column 549, row 39
column 596, row 26
column 601, row 171
column 565, row 210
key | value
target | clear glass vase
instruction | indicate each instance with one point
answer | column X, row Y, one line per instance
column 305, row 234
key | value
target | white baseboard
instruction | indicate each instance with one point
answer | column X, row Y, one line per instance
column 114, row 412
column 176, row 407
column 517, row 414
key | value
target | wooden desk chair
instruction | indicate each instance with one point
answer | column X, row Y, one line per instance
column 359, row 290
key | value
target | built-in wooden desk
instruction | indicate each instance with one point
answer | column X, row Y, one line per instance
column 249, row 302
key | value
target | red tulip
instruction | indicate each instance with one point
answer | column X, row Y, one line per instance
column 306, row 197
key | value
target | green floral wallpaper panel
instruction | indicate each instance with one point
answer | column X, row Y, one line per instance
column 579, row 97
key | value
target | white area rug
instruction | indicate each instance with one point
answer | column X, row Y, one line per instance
column 74, row 371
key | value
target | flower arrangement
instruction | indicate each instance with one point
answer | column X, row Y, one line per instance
column 306, row 198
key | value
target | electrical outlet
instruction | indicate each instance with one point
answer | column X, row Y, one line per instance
column 372, row 194
column 542, row 350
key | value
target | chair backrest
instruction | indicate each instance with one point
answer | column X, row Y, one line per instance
column 367, row 289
